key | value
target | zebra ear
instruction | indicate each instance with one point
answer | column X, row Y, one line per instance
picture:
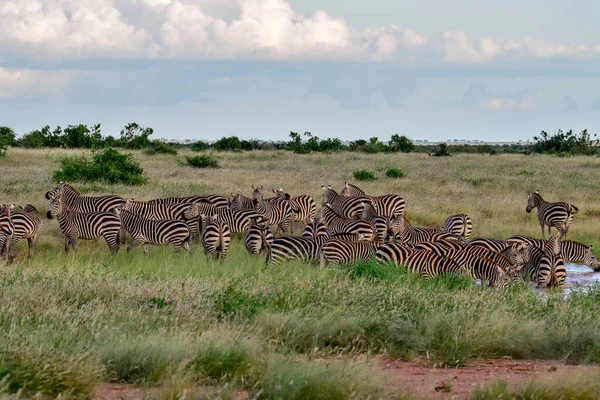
column 591, row 247
column 537, row 191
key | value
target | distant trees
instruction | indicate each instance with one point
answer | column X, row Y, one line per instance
column 566, row 143
column 7, row 138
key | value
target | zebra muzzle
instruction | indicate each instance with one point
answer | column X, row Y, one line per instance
column 48, row 215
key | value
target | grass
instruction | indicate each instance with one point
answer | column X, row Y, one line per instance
column 188, row 324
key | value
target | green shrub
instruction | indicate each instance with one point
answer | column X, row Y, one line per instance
column 442, row 151
column 202, row 162
column 223, row 361
column 160, row 147
column 526, row 172
column 364, row 175
column 394, row 173
column 200, row 146
column 108, row 166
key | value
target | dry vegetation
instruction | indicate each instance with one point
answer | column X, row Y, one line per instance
column 180, row 322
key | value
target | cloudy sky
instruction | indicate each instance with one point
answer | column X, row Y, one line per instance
column 429, row 69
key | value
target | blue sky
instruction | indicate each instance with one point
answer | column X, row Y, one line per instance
column 202, row 69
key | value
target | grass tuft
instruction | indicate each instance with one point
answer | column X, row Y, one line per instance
column 203, row 161
column 364, row 175
column 394, row 173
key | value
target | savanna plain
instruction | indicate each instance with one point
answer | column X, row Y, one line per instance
column 181, row 326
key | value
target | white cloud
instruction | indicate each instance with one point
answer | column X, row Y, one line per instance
column 32, row 84
column 241, row 29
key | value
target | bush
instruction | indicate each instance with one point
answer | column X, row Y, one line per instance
column 566, row 143
column 135, row 136
column 401, row 143
column 200, row 146
column 7, row 138
column 364, row 175
column 394, row 173
column 109, row 166
column 160, row 147
column 202, row 162
column 442, row 151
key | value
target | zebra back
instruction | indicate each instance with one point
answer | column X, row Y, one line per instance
column 459, row 225
column 388, row 205
column 346, row 207
column 578, row 252
column 442, row 248
column 154, row 231
column 237, row 221
column 212, row 199
column 405, row 232
column 337, row 251
column 337, row 224
column 315, row 228
column 216, row 236
column 258, row 238
column 78, row 203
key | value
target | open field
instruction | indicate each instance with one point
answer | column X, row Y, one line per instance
column 175, row 323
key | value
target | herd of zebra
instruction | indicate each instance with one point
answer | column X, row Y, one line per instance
column 350, row 227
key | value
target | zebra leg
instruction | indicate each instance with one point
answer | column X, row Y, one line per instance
column 136, row 242
column 123, row 235
column 322, row 262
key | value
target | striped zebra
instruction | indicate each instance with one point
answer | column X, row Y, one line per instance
column 276, row 212
column 85, row 225
column 258, row 238
column 83, row 204
column 554, row 215
column 579, row 252
column 403, row 231
column 239, row 202
column 157, row 232
column 442, row 248
column 216, row 236
column 380, row 224
column 305, row 249
column 212, row 199
column 7, row 228
column 303, row 206
column 459, row 225
column 337, row 224
column 515, row 251
column 544, row 263
column 238, row 221
column 28, row 225
column 346, row 207
column 425, row 262
column 388, row 205
column 508, row 260
column 338, row 251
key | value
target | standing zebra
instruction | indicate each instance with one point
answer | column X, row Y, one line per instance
column 306, row 248
column 7, row 227
column 443, row 248
column 215, row 237
column 158, row 232
column 403, row 231
column 212, row 199
column 337, row 224
column 554, row 215
column 380, row 224
column 238, row 221
column 482, row 262
column 85, row 225
column 303, row 206
column 346, row 207
column 28, row 225
column 239, row 202
column 459, row 225
column 277, row 212
column 388, row 205
column 425, row 262
column 258, row 238
column 337, row 251
column 544, row 262
column 83, row 204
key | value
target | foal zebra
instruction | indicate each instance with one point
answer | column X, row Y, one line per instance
column 258, row 238
column 306, row 248
column 554, row 215
column 277, row 212
column 459, row 225
column 83, row 204
column 337, row 224
column 388, row 205
column 157, row 232
column 85, row 225
column 216, row 236
column 28, row 225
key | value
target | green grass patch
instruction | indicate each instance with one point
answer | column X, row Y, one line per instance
column 394, row 173
column 526, row 172
column 202, row 161
column 364, row 175
column 557, row 386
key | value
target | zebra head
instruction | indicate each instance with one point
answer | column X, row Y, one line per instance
column 51, row 195
column 128, row 205
column 533, row 200
column 396, row 226
column 56, row 207
column 257, row 193
column 590, row 260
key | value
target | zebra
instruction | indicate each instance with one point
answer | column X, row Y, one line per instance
column 277, row 212
column 508, row 260
column 544, row 262
column 85, row 225
column 380, row 224
column 216, row 236
column 515, row 250
column 238, row 221
column 258, row 238
column 338, row 251
column 460, row 225
column 83, row 204
column 388, row 205
column 486, row 265
column 212, row 199
column 443, row 248
column 579, row 252
column 554, row 215
column 154, row 231
column 303, row 206
column 28, row 225
column 403, row 231
column 7, row 227
column 306, row 248
column 346, row 207
column 425, row 262
column 239, row 202
column 337, row 224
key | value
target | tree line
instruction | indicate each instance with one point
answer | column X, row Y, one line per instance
column 136, row 136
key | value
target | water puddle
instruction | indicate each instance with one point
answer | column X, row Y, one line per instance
column 578, row 277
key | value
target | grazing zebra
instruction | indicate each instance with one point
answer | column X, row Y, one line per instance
column 238, row 221
column 388, row 205
column 515, row 250
column 507, row 260
column 85, row 225
column 157, row 232
column 425, row 262
column 28, row 225
column 338, row 251
column 212, row 199
column 337, row 224
column 403, row 231
column 215, row 237
column 345, row 207
column 258, row 238
column 380, row 224
column 579, row 252
column 459, row 225
column 486, row 265
column 303, row 206
column 544, row 262
column 83, row 204
column 276, row 212
column 306, row 248
column 554, row 215
column 443, row 248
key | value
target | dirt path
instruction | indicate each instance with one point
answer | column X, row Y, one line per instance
column 424, row 382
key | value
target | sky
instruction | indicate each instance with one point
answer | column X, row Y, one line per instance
column 203, row 69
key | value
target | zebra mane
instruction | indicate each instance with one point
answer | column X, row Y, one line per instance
column 356, row 188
